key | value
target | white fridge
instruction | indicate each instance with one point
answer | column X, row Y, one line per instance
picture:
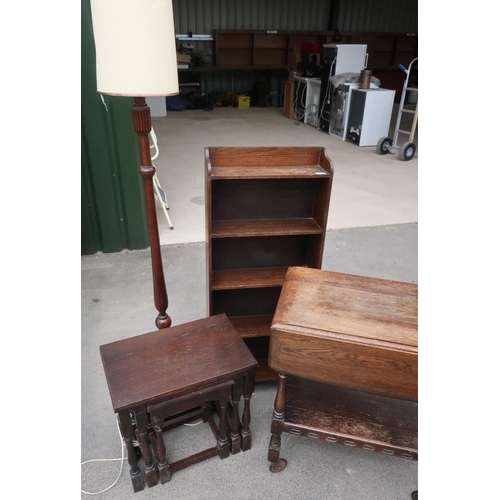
column 369, row 115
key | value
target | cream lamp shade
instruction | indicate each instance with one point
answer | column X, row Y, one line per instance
column 135, row 47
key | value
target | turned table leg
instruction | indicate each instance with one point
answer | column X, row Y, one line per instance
column 161, row 452
column 277, row 464
column 127, row 431
column 235, row 417
column 246, row 442
column 142, row 435
column 223, row 442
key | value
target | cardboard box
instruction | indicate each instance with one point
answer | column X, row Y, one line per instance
column 243, row 102
column 183, row 58
column 207, row 59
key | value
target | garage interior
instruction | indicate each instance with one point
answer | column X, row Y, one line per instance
column 372, row 230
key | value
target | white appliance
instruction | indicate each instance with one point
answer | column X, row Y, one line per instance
column 345, row 58
column 369, row 115
column 157, row 105
column 307, row 92
column 337, row 59
column 341, row 102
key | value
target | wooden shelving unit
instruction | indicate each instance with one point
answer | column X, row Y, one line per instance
column 239, row 48
column 245, row 48
column 386, row 50
column 267, row 209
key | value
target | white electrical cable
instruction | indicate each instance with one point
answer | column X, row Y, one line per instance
column 297, row 119
column 327, row 92
column 154, row 145
column 135, row 443
column 104, row 102
column 108, row 460
column 196, row 423
column 160, row 193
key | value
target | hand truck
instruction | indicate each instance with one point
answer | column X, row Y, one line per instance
column 386, row 144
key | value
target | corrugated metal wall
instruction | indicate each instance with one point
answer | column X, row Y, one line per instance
column 389, row 16
column 203, row 16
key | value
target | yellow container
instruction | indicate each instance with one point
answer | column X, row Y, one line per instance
column 243, row 102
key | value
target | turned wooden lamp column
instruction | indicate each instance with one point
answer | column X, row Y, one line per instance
column 142, row 126
column 136, row 56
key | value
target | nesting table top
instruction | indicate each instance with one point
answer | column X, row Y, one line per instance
column 145, row 369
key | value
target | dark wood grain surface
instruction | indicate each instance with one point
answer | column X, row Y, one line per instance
column 270, row 172
column 229, row 279
column 253, row 326
column 264, row 156
column 155, row 366
column 362, row 417
column 347, row 330
column 264, row 227
column 336, row 303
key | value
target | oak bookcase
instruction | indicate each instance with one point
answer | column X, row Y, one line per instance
column 267, row 210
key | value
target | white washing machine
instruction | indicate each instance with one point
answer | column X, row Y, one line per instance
column 307, row 92
column 313, row 89
column 341, row 100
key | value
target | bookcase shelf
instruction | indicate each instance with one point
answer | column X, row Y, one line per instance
column 264, row 227
column 233, row 279
column 253, row 326
column 267, row 210
column 274, row 172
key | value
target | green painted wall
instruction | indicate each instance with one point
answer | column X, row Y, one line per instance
column 113, row 212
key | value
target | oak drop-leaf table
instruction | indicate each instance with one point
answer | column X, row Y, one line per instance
column 346, row 351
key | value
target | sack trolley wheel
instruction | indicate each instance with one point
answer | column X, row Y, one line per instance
column 407, row 151
column 385, row 145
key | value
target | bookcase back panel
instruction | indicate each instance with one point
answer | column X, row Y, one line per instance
column 262, row 156
column 245, row 302
column 263, row 199
column 258, row 346
column 261, row 251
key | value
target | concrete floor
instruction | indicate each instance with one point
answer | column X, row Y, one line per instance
column 373, row 231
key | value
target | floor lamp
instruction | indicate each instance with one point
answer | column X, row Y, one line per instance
column 136, row 57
